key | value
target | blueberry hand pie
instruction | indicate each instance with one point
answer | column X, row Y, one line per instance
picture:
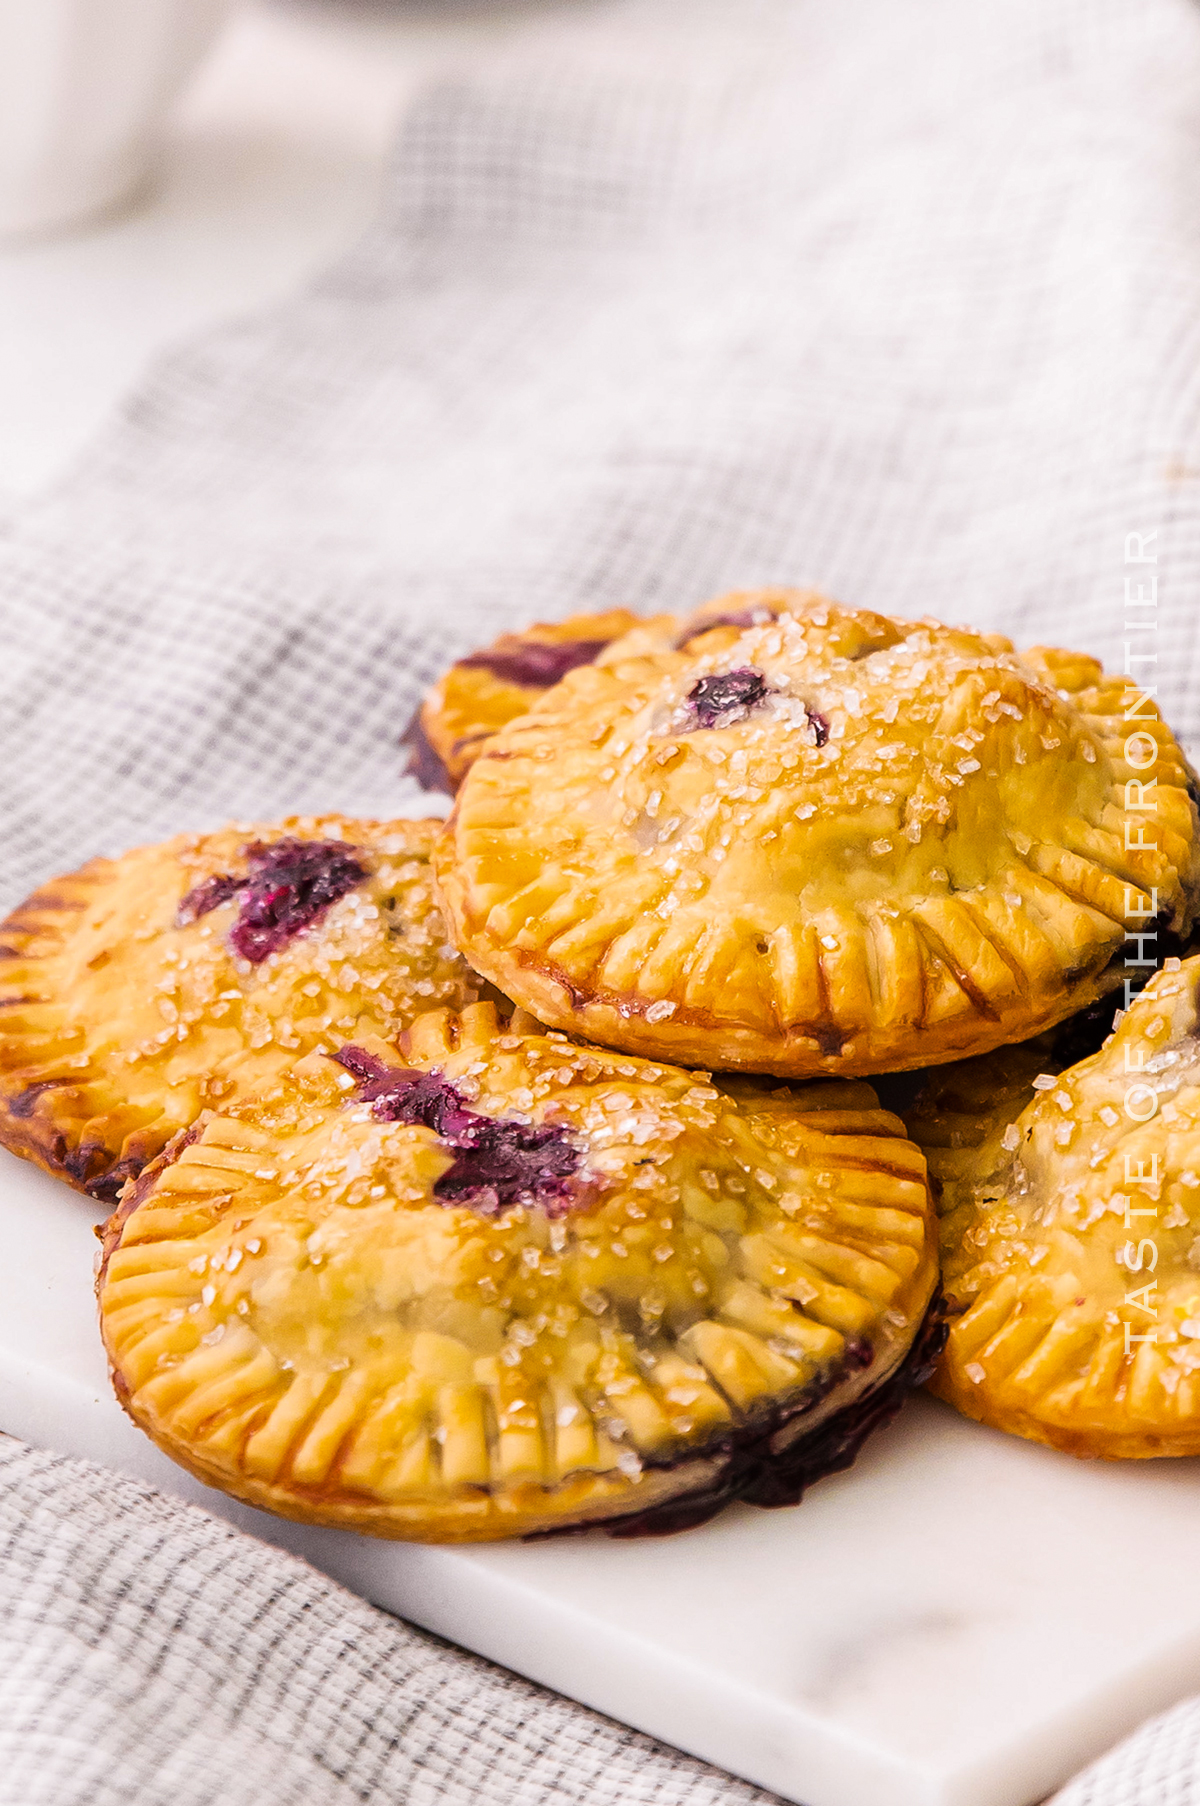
column 483, row 692
column 1070, row 1230
column 139, row 990
column 813, row 840
column 490, row 1284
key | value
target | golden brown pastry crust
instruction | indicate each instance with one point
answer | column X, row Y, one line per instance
column 1070, row 1228
column 301, row 1307
column 482, row 693
column 119, row 1022
column 832, row 843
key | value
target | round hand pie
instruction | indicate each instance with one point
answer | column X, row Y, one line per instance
column 1070, row 1228
column 829, row 842
column 498, row 1283
column 138, row 989
column 483, row 692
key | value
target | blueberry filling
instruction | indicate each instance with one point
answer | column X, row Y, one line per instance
column 424, row 762
column 289, row 885
column 1084, row 1033
column 24, row 1101
column 292, row 884
column 718, row 701
column 208, row 895
column 400, row 1094
column 741, row 618
column 750, row 1465
column 536, row 664
column 497, row 1160
column 507, row 1161
column 106, row 1187
column 818, row 724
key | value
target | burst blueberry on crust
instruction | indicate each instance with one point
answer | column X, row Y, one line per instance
column 138, row 991
column 1069, row 1203
column 483, row 692
column 823, row 842
column 487, row 1284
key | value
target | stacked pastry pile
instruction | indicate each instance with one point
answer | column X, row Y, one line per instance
column 443, row 1207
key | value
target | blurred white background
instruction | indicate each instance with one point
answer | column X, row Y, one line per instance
column 272, row 165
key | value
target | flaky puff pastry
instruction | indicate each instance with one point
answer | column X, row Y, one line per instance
column 492, row 1284
column 483, row 692
column 137, row 991
column 1070, row 1228
column 829, row 843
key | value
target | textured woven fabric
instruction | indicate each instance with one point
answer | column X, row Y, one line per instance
column 152, row 1656
column 1158, row 1766
column 900, row 301
column 903, row 301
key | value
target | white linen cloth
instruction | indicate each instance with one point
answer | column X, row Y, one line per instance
column 150, row 1655
column 900, row 301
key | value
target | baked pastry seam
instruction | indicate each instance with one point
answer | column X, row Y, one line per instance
column 494, row 1284
column 823, row 842
column 1069, row 1200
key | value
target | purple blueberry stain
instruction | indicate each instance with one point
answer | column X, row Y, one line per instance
column 403, row 1094
column 498, row 1161
column 288, row 886
column 537, row 664
column 24, row 1102
column 209, row 895
column 292, row 884
column 747, row 1461
column 107, row 1187
column 818, row 724
column 719, row 701
column 424, row 762
column 741, row 618
column 508, row 1161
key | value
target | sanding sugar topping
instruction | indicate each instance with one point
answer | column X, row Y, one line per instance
column 498, row 1161
column 288, row 886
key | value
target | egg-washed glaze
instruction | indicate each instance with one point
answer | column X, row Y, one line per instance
column 482, row 692
column 138, row 991
column 827, row 842
column 1069, row 1202
column 492, row 1284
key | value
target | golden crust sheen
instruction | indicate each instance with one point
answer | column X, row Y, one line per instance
column 118, row 1025
column 912, row 848
column 1070, row 1232
column 293, row 1314
column 481, row 694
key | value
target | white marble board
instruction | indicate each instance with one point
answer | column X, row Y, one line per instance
column 961, row 1620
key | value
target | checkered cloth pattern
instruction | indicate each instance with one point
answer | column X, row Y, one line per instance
column 150, row 1655
column 899, row 301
